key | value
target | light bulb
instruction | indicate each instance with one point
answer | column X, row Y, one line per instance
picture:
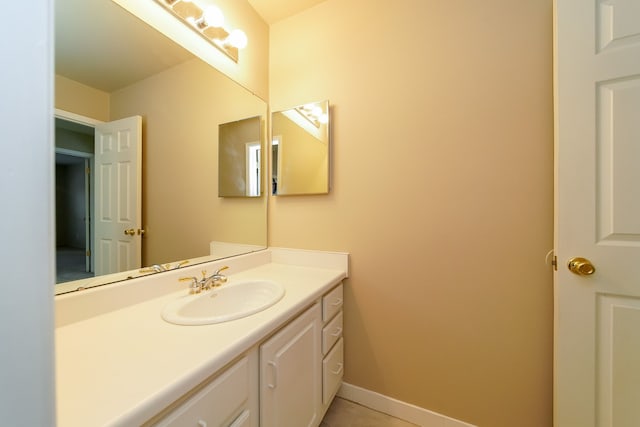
column 324, row 119
column 213, row 17
column 316, row 110
column 237, row 39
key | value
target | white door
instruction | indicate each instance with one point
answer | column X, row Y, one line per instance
column 597, row 316
column 118, row 187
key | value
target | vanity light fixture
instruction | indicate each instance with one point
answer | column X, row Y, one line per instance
column 313, row 113
column 208, row 21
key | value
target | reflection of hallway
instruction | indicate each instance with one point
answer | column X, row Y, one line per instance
column 74, row 157
column 70, row 265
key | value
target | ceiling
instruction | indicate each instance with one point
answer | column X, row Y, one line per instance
column 275, row 10
column 94, row 38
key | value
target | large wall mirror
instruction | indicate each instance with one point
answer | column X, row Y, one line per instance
column 300, row 150
column 110, row 66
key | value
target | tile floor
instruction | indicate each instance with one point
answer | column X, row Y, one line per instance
column 343, row 413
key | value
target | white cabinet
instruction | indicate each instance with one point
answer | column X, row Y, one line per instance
column 228, row 400
column 290, row 374
column 301, row 366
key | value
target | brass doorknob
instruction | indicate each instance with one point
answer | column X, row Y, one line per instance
column 581, row 266
column 130, row 232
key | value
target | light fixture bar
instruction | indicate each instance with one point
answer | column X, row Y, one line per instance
column 316, row 118
column 195, row 17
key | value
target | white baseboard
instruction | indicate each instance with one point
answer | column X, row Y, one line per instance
column 396, row 408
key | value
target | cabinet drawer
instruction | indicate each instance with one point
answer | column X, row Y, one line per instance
column 331, row 333
column 331, row 303
column 332, row 370
column 219, row 404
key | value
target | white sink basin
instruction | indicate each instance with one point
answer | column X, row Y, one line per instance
column 228, row 302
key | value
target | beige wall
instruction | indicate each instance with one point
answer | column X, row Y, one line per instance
column 81, row 99
column 182, row 108
column 442, row 172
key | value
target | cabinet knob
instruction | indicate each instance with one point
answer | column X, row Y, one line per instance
column 338, row 370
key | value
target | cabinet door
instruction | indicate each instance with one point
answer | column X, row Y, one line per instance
column 290, row 374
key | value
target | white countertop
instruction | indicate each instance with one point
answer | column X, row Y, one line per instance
column 123, row 366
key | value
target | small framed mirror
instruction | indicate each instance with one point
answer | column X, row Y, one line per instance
column 300, row 150
column 240, row 158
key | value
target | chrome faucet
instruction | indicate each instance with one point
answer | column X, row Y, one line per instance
column 158, row 268
column 206, row 282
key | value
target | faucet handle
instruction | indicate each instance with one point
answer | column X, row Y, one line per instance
column 181, row 263
column 195, row 287
column 217, row 273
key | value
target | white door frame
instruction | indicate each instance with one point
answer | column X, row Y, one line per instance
column 76, row 118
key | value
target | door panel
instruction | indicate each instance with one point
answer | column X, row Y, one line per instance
column 618, row 356
column 118, row 195
column 618, row 23
column 618, row 146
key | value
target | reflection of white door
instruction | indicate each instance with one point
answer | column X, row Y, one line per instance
column 118, row 187
column 597, row 318
column 252, row 166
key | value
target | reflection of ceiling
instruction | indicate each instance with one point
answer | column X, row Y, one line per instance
column 276, row 10
column 84, row 28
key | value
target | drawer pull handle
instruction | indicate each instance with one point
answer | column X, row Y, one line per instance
column 337, row 302
column 274, row 383
column 240, row 421
column 338, row 371
column 337, row 332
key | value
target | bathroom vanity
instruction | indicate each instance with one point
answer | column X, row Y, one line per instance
column 119, row 363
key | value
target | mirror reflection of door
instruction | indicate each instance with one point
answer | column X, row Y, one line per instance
column 253, row 153
column 118, row 201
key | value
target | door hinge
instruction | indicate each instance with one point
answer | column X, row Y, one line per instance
column 89, row 253
column 87, row 171
column 552, row 259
